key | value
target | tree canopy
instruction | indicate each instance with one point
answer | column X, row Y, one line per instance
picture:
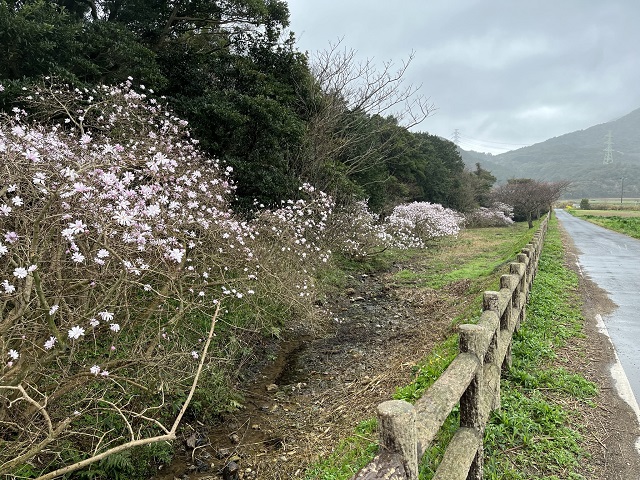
column 231, row 68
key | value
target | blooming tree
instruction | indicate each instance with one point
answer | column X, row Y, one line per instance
column 117, row 247
column 498, row 215
column 426, row 221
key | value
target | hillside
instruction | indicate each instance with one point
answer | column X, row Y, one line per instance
column 578, row 157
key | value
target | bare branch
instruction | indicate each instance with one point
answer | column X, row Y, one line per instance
column 145, row 441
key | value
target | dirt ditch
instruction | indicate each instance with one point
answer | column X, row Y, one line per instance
column 320, row 387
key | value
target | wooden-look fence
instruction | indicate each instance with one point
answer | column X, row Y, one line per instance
column 472, row 379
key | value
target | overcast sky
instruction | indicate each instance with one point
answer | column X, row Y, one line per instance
column 505, row 73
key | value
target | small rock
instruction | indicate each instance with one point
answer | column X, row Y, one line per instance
column 234, row 438
column 192, row 440
column 223, row 453
column 272, row 387
column 255, row 426
column 202, row 466
column 231, row 471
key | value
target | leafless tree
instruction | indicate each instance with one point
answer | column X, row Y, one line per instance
column 529, row 197
column 356, row 111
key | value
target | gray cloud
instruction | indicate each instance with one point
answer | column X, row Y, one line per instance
column 504, row 73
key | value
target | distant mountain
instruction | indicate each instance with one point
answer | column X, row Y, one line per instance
column 577, row 157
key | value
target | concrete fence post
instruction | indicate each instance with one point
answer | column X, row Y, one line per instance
column 473, row 403
column 397, row 426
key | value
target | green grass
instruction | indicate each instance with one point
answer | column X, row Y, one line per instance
column 476, row 253
column 627, row 224
column 349, row 456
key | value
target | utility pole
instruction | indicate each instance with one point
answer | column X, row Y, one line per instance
column 608, row 151
column 622, row 189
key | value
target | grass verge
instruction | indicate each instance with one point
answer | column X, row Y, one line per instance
column 535, row 435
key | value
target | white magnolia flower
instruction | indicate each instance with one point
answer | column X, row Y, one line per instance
column 8, row 288
column 48, row 345
column 77, row 257
column 76, row 332
column 106, row 316
column 14, row 354
column 95, row 369
column 77, row 227
column 115, row 327
column 20, row 272
column 176, row 254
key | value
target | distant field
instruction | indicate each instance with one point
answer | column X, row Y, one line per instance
column 606, row 213
column 623, row 221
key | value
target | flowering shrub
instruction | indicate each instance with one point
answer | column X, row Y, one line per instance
column 499, row 215
column 116, row 246
column 424, row 221
column 357, row 232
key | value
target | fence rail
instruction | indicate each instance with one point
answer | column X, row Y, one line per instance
column 472, row 380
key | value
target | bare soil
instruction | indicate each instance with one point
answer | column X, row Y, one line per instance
column 321, row 385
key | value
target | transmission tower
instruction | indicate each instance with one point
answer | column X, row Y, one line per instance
column 608, row 151
column 456, row 136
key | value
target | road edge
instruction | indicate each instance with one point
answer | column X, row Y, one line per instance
column 620, row 379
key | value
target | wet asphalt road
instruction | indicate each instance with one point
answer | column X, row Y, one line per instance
column 612, row 261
